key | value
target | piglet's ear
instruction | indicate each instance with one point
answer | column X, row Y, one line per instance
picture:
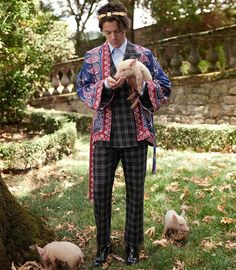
column 174, row 218
column 133, row 62
column 40, row 251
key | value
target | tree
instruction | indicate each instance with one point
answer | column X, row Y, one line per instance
column 130, row 4
column 80, row 10
column 19, row 229
column 189, row 15
column 26, row 56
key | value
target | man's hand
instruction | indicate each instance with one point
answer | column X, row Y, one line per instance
column 115, row 83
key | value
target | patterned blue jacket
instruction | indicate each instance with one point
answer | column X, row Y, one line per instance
column 90, row 84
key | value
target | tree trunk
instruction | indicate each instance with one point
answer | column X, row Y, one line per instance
column 129, row 4
column 18, row 230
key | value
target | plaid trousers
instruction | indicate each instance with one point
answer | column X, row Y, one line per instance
column 105, row 161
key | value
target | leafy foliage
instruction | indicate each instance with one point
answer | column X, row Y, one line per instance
column 191, row 15
column 80, row 10
column 31, row 154
column 189, row 137
column 178, row 136
column 28, row 48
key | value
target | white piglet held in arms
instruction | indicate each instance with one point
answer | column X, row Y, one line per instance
column 133, row 67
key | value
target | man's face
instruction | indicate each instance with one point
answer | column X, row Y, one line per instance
column 113, row 34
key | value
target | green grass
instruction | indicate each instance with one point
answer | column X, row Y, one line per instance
column 204, row 182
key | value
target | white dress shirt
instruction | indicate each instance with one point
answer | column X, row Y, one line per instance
column 117, row 55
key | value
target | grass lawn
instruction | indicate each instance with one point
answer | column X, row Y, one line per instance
column 204, row 183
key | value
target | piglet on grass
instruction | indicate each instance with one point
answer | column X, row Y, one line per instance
column 64, row 252
column 137, row 70
column 175, row 223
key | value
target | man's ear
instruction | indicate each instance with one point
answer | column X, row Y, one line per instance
column 133, row 62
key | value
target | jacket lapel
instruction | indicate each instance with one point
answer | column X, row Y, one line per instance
column 131, row 52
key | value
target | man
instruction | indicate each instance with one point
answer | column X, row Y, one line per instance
column 119, row 133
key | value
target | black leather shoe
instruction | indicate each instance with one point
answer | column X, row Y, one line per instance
column 131, row 255
column 101, row 256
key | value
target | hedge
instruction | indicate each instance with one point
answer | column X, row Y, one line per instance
column 200, row 138
column 49, row 121
column 36, row 152
column 61, row 131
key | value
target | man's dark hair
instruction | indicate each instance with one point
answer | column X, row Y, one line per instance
column 122, row 20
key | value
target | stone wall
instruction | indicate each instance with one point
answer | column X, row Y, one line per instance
column 202, row 99
column 198, row 99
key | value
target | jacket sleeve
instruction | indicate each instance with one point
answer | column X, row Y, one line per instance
column 156, row 92
column 90, row 85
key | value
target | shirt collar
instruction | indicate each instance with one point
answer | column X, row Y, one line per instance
column 122, row 48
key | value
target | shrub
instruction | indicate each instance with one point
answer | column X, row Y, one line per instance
column 31, row 40
column 36, row 152
column 198, row 138
column 46, row 122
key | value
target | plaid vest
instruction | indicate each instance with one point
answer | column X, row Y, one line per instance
column 123, row 127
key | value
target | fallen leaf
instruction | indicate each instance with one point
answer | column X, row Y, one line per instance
column 59, row 227
column 201, row 195
column 30, row 265
column 80, row 238
column 230, row 245
column 211, row 189
column 176, row 237
column 173, row 187
column 231, row 175
column 154, row 187
column 185, row 207
column 120, row 172
column 106, row 265
column 208, row 219
column 226, row 220
column 221, row 208
column 118, row 258
column 196, row 222
column 208, row 244
column 202, row 182
column 70, row 227
column 231, row 234
column 184, row 194
column 69, row 212
column 142, row 255
column 151, row 232
column 162, row 243
column 225, row 187
column 146, row 196
column 114, row 238
column 178, row 265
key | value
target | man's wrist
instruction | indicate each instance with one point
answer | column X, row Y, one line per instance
column 106, row 84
